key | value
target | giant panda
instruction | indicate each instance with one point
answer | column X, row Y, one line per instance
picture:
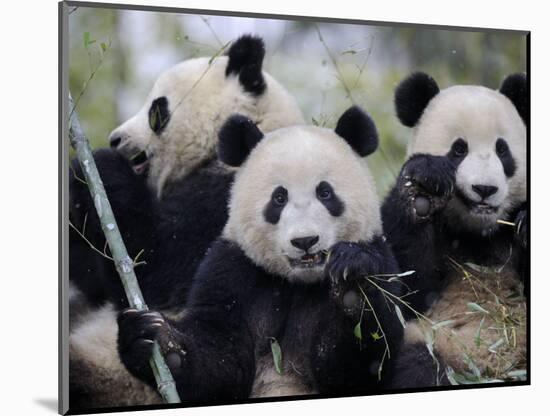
column 286, row 275
column 458, row 217
column 169, row 194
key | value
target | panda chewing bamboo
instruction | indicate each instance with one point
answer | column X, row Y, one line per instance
column 458, row 217
column 300, row 192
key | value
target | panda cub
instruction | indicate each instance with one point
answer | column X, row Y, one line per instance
column 169, row 193
column 457, row 216
column 304, row 230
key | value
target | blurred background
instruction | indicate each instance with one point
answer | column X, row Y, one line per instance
column 115, row 57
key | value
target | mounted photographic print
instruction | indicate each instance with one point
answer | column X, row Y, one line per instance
column 263, row 207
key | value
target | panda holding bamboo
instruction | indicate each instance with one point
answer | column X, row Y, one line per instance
column 169, row 193
column 458, row 217
column 280, row 305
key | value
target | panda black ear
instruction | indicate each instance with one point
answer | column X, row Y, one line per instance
column 357, row 128
column 246, row 56
column 236, row 139
column 515, row 88
column 412, row 97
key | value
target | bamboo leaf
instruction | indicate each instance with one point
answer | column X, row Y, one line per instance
column 451, row 376
column 357, row 331
column 441, row 324
column 493, row 348
column 477, row 338
column 473, row 367
column 519, row 374
column 375, row 336
column 400, row 315
column 277, row 356
column 476, row 308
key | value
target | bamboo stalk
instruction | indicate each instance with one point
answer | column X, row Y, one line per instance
column 123, row 263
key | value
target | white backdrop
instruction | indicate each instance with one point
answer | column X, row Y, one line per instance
column 28, row 204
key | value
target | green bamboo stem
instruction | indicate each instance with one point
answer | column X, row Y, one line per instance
column 123, row 263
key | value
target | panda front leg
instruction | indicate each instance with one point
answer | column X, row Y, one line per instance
column 354, row 344
column 209, row 362
column 410, row 214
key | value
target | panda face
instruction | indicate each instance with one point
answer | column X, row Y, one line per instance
column 301, row 190
column 176, row 129
column 481, row 132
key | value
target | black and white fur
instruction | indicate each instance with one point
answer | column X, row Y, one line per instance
column 169, row 193
column 302, row 191
column 466, row 170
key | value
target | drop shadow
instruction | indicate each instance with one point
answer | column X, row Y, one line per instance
column 49, row 404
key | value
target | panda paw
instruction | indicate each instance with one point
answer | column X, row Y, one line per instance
column 348, row 263
column 426, row 184
column 520, row 229
column 138, row 331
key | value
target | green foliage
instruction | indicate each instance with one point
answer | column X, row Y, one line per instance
column 277, row 356
column 326, row 66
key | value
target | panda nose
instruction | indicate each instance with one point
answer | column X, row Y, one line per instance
column 305, row 243
column 115, row 140
column 485, row 191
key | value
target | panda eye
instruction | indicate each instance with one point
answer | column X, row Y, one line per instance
column 324, row 194
column 280, row 196
column 324, row 191
column 459, row 147
column 501, row 147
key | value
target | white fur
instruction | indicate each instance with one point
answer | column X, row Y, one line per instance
column 95, row 366
column 479, row 116
column 200, row 98
column 299, row 158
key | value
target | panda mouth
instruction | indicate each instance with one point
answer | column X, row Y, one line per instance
column 309, row 260
column 477, row 208
column 140, row 162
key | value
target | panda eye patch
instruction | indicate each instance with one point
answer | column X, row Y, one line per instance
column 280, row 196
column 159, row 115
column 327, row 197
column 276, row 204
column 505, row 156
column 324, row 191
column 459, row 148
column 502, row 147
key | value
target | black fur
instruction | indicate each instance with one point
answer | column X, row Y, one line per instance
column 132, row 202
column 516, row 89
column 246, row 56
column 326, row 194
column 412, row 97
column 159, row 115
column 236, row 309
column 415, row 367
column 505, row 156
column 174, row 233
column 274, row 208
column 358, row 130
column 237, row 137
